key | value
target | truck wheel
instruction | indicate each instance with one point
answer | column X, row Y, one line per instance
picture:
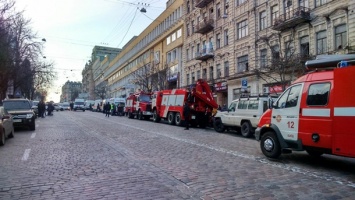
column 33, row 126
column 156, row 118
column 218, row 125
column 246, row 129
column 178, row 121
column 314, row 153
column 2, row 138
column 171, row 118
column 130, row 115
column 270, row 145
column 140, row 115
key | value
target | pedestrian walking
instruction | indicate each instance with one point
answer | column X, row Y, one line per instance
column 71, row 106
column 186, row 113
column 41, row 108
column 107, row 109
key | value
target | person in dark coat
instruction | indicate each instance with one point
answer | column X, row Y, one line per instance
column 186, row 113
column 107, row 109
column 41, row 109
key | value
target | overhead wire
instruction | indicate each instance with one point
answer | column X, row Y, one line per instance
column 128, row 28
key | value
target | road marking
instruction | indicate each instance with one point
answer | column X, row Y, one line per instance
column 26, row 154
column 33, row 135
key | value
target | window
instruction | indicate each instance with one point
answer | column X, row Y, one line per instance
column 187, row 29
column 340, row 37
column 193, row 52
column 219, row 71
column 226, row 5
column 239, row 2
column 187, row 54
column 318, row 94
column 290, row 98
column 218, row 8
column 289, row 49
column 168, row 59
column 263, row 58
column 242, row 29
column 320, row 2
column 211, row 73
column 218, row 41
column 262, row 20
column 242, row 104
column 242, row 64
column 253, row 105
column 198, row 74
column 173, row 37
column 204, row 74
column 321, row 42
column 188, row 7
column 168, row 40
column 173, row 55
column 178, row 33
column 304, row 44
column 304, row 3
column 187, row 79
column 226, row 69
column 226, row 37
column 275, row 52
column 274, row 14
column 193, row 77
column 193, row 26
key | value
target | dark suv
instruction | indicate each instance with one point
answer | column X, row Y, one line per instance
column 20, row 109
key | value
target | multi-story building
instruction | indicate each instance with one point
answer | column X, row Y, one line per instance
column 246, row 47
column 93, row 80
column 152, row 60
column 70, row 91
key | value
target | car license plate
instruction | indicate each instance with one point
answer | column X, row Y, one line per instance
column 17, row 120
column 193, row 117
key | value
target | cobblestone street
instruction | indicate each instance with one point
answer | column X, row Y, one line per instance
column 85, row 155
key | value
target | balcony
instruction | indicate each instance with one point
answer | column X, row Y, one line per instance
column 291, row 18
column 202, row 3
column 205, row 26
column 205, row 54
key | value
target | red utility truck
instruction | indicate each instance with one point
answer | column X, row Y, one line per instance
column 168, row 104
column 139, row 106
column 315, row 113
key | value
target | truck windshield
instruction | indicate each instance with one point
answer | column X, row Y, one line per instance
column 144, row 98
column 17, row 105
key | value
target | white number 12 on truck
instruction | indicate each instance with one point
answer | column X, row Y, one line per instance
column 316, row 113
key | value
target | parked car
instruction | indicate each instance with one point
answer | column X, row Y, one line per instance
column 243, row 113
column 20, row 109
column 65, row 105
column 35, row 107
column 6, row 126
column 58, row 107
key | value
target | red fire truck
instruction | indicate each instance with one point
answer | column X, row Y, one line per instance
column 139, row 106
column 168, row 104
column 315, row 113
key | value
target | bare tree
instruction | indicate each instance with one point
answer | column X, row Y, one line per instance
column 100, row 91
column 150, row 77
column 20, row 54
column 284, row 64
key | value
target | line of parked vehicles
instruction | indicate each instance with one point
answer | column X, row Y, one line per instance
column 314, row 114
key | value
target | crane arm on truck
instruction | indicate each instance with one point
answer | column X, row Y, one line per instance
column 204, row 93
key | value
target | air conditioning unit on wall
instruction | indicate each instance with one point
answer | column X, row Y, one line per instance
column 266, row 90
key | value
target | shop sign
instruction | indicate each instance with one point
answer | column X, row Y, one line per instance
column 276, row 89
column 220, row 86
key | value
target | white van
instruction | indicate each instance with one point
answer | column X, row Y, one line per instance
column 243, row 113
column 79, row 104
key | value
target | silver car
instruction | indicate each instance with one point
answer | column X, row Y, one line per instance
column 6, row 126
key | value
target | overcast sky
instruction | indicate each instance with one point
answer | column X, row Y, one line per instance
column 73, row 27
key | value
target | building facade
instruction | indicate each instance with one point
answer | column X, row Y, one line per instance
column 249, row 47
column 152, row 60
column 93, row 80
column 70, row 91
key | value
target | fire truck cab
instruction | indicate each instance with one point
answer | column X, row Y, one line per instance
column 315, row 113
column 139, row 106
